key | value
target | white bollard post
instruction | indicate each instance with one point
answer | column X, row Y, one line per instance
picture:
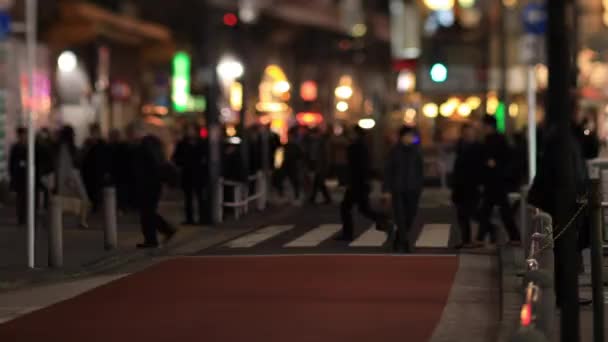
column 218, row 204
column 111, row 226
column 55, row 232
column 262, row 189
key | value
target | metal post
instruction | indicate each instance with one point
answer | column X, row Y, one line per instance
column 523, row 217
column 531, row 124
column 597, row 278
column 31, row 14
column 110, row 227
column 55, row 232
column 261, row 190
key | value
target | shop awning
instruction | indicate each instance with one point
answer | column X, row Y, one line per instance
column 81, row 23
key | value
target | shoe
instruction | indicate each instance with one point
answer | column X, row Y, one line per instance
column 146, row 245
column 342, row 237
column 170, row 236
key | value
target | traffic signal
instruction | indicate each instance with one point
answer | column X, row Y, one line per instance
column 230, row 19
column 439, row 73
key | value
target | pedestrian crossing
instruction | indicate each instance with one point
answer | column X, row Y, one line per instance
column 431, row 236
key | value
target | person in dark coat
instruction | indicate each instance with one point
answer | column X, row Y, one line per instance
column 44, row 163
column 95, row 165
column 17, row 166
column 319, row 161
column 403, row 183
column 358, row 187
column 190, row 156
column 496, row 157
column 465, row 182
column 120, row 172
column 148, row 168
column 292, row 164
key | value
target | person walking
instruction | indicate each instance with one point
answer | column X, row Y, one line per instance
column 69, row 186
column 358, row 187
column 119, row 169
column 403, row 183
column 17, row 166
column 149, row 169
column 319, row 159
column 95, row 165
column 292, row 163
column 465, row 182
column 190, row 156
column 495, row 154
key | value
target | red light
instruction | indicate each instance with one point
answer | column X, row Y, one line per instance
column 204, row 133
column 308, row 91
column 230, row 19
column 525, row 315
column 309, row 118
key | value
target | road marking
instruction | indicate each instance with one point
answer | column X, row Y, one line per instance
column 314, row 237
column 370, row 238
column 434, row 236
column 258, row 236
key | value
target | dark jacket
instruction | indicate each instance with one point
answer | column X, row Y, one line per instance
column 495, row 179
column 293, row 155
column 466, row 173
column 191, row 157
column 148, row 163
column 120, row 158
column 17, row 166
column 404, row 170
column 96, row 163
column 359, row 163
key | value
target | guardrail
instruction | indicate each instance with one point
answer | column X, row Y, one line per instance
column 241, row 195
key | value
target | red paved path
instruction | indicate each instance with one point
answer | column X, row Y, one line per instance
column 290, row 298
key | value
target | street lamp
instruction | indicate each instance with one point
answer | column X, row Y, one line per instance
column 229, row 69
column 67, row 62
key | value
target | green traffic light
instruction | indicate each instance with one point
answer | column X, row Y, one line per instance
column 439, row 73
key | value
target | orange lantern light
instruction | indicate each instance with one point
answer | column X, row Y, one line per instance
column 309, row 118
column 308, row 91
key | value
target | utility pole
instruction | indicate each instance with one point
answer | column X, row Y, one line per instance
column 559, row 105
column 31, row 30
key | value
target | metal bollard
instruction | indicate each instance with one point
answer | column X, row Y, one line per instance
column 55, row 232
column 238, row 198
column 218, row 202
column 111, row 225
column 260, row 188
column 597, row 279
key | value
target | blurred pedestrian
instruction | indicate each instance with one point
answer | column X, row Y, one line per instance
column 17, row 166
column 466, row 182
column 95, row 165
column 358, row 187
column 190, row 156
column 44, row 164
column 120, row 171
column 496, row 155
column 403, row 183
column 292, row 165
column 150, row 166
column 68, row 183
column 319, row 164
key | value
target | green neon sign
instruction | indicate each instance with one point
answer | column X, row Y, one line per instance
column 501, row 117
column 180, row 84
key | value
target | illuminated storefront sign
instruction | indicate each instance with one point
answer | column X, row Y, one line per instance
column 181, row 82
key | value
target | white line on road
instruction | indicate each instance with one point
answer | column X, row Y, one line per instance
column 258, row 236
column 434, row 236
column 316, row 236
column 370, row 238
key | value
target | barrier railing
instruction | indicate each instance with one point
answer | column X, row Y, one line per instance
column 242, row 197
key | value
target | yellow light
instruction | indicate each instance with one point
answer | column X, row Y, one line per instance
column 342, row 106
column 410, row 115
column 430, row 110
column 359, row 30
column 344, row 92
column 466, row 3
column 509, row 3
column 605, row 18
column 230, row 131
column 474, row 102
column 275, row 72
column 513, row 110
column 367, row 123
column 464, row 110
column 446, row 109
column 438, row 5
column 236, row 96
column 281, row 87
column 454, row 101
column 271, row 107
column 492, row 104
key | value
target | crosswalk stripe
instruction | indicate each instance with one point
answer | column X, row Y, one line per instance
column 316, row 236
column 370, row 238
column 434, row 236
column 258, row 236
